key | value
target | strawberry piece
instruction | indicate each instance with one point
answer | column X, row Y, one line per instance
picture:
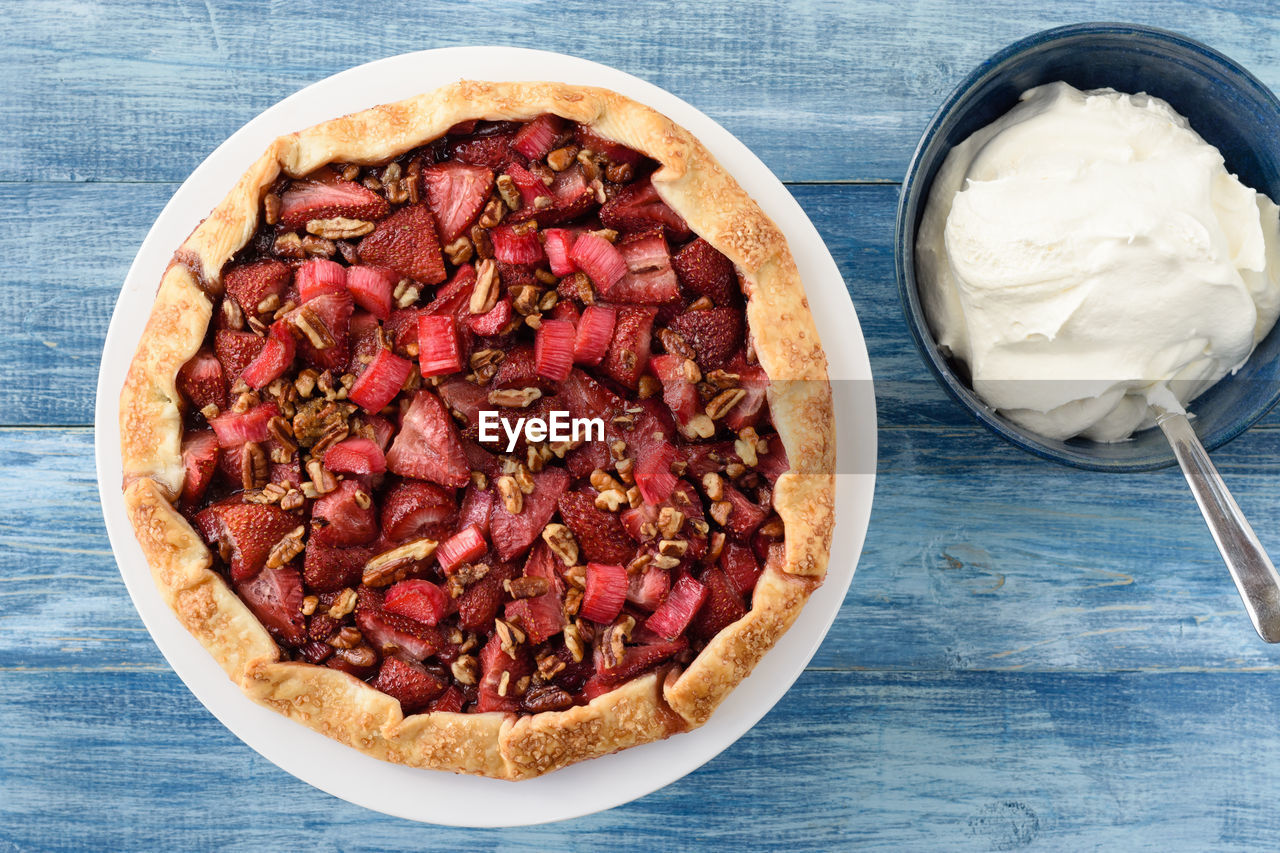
column 275, row 597
column 556, row 243
column 251, row 531
column 464, row 546
column 381, row 381
column 371, row 288
column 401, row 329
column 706, row 457
column 564, row 309
column 317, row 276
column 633, row 519
column 680, row 395
column 464, row 398
column 520, row 370
column 497, row 669
column 637, row 207
column 479, row 604
column 536, row 138
column 649, row 279
column 201, row 380
column 677, row 611
column 513, row 534
column 390, row 633
column 704, row 271
column 492, row 321
column 477, row 505
column 750, row 408
column 573, row 197
column 333, row 312
column 348, row 523
column 456, row 193
column 327, row 199
column 276, row 357
column 584, row 397
column 355, row 456
column 199, row 462
column 327, row 568
column 427, row 446
column 249, row 284
column 235, row 350
column 490, row 150
column 605, row 592
column 530, row 186
column 408, row 682
column 235, row 428
column 595, row 333
column 451, row 701
column 406, row 242
column 637, row 661
column 512, row 248
column 599, row 534
column 715, row 334
column 615, row 152
column 541, row 616
column 632, row 337
column 382, row 430
column 647, row 589
column 745, row 516
column 599, row 259
column 419, row 600
column 653, row 474
column 740, row 567
column 413, row 508
column 439, row 350
column 553, row 349
column 722, row 608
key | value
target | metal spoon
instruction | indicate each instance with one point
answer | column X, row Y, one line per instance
column 1251, row 569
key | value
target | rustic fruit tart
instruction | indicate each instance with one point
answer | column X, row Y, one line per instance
column 312, row 465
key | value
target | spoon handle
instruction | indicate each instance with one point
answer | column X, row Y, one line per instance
column 1250, row 567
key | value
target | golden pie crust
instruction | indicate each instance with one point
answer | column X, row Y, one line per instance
column 505, row 746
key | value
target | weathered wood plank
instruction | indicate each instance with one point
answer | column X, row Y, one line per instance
column 821, row 90
column 61, row 292
column 884, row 761
column 978, row 557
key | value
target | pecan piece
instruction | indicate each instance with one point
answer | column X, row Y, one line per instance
column 392, row 566
column 339, row 228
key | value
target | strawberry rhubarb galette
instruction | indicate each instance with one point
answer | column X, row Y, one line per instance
column 326, row 466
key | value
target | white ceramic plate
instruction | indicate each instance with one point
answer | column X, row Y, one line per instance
column 441, row 797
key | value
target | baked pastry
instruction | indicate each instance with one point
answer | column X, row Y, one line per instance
column 320, row 455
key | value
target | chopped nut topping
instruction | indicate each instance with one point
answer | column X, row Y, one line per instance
column 545, row 276
column 507, row 189
column 254, row 472
column 231, row 314
column 548, row 300
column 363, row 499
column 485, row 293
column 670, row 520
column 602, row 481
column 305, row 320
column 350, row 172
column 746, row 450
column 292, row 499
column 638, row 563
column 343, row 604
column 577, row 286
column 649, row 387
column 699, row 526
column 323, row 481
column 479, row 480
column 573, row 640
column 509, row 636
column 464, row 576
column 392, row 566
column 626, row 469
column 613, row 643
column 561, row 542
column 701, row 426
column 619, row 173
column 346, row 638
column 562, row 158
column 576, row 576
column 723, row 402
column 465, row 669
column 492, row 215
column 773, row 528
column 512, row 497
column 524, row 299
column 210, row 412
column 611, row 500
column 339, row 228
column 514, row 398
column 287, row 548
column 548, row 665
column 675, row 344
column 715, row 545
column 269, row 303
column 526, row 587
column 282, row 431
column 702, row 303
column 504, row 683
column 719, row 380
column 673, row 547
column 713, row 485
column 689, row 369
column 318, row 246
column 572, row 602
column 648, row 530
column 520, row 472
column 288, row 245
column 720, row 511
column 271, row 208
column 306, row 382
column 734, row 470
column 459, row 251
column 309, row 605
column 663, row 561
column 634, row 498
column 406, row 293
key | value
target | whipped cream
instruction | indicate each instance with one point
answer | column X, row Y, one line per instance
column 1092, row 262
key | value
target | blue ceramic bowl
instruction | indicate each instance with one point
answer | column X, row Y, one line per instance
column 1224, row 103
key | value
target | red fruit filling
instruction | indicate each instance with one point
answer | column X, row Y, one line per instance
column 333, row 456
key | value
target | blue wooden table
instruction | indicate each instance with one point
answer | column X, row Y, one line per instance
column 1029, row 656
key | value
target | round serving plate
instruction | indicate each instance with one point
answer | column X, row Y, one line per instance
column 434, row 796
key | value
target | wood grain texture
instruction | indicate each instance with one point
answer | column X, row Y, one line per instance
column 1030, row 657
column 855, row 83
